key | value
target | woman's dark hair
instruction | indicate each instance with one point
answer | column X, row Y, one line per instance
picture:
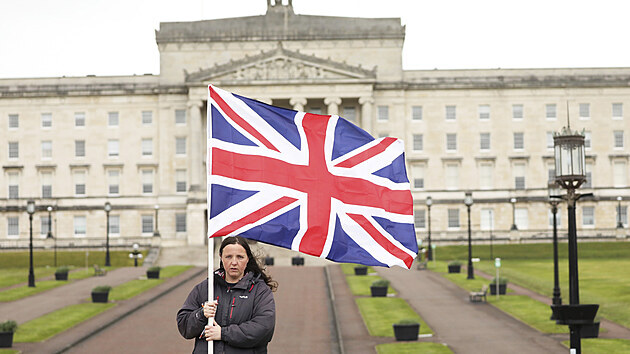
column 253, row 265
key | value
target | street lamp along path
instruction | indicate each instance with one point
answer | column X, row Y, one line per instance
column 30, row 209
column 468, row 201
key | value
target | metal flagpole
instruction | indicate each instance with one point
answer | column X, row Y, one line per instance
column 210, row 240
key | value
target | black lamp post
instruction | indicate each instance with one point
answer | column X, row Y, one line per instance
column 619, row 223
column 135, row 254
column 156, row 232
column 513, row 201
column 429, row 251
column 30, row 209
column 468, row 200
column 108, row 208
column 554, row 195
column 570, row 175
column 50, row 235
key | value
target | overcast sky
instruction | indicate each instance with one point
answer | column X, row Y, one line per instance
column 43, row 38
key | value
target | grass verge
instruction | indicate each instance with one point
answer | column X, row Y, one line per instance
column 603, row 346
column 412, row 348
column 40, row 286
column 360, row 284
column 380, row 313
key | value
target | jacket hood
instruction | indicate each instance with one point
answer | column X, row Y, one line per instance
column 246, row 282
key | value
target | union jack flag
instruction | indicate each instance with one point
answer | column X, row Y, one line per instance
column 312, row 183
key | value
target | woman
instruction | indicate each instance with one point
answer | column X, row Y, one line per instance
column 243, row 304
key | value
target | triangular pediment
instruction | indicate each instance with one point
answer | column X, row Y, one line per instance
column 282, row 65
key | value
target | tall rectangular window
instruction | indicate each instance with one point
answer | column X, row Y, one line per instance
column 46, row 185
column 13, row 226
column 419, row 218
column 519, row 176
column 452, row 176
column 14, row 149
column 147, row 147
column 147, row 224
column 487, row 219
column 453, row 218
column 450, row 112
column 558, row 218
column 519, row 141
column 43, row 225
column 587, row 140
column 618, row 139
column 617, row 110
column 349, row 113
column 180, row 181
column 484, row 141
column 485, row 175
column 416, row 112
column 114, row 224
column 549, row 140
column 79, row 119
column 79, row 183
column 315, row 110
column 112, row 148
column 180, row 146
column 80, row 226
column 112, row 119
column 517, row 111
column 418, row 142
column 46, row 149
column 79, row 148
column 113, row 182
column 585, row 110
column 620, row 174
column 484, row 111
column 14, row 186
column 180, row 116
column 521, row 218
column 46, row 120
column 180, row 222
column 622, row 214
column 14, row 121
column 147, row 181
column 451, row 142
column 383, row 113
column 550, row 111
column 147, row 117
column 417, row 175
column 588, row 216
column 588, row 170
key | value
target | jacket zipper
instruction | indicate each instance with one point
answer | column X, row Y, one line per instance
column 232, row 309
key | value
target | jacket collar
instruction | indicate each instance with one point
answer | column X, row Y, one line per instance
column 246, row 281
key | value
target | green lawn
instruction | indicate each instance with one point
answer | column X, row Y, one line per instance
column 380, row 313
column 360, row 284
column 412, row 348
column 40, row 286
column 12, row 276
column 604, row 346
column 79, row 259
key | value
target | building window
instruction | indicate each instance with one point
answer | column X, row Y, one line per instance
column 549, row 140
column 484, row 111
column 79, row 148
column 416, row 112
column 147, row 117
column 588, row 216
column 452, row 176
column 521, row 218
column 13, row 226
column 46, row 120
column 46, row 149
column 147, row 147
column 551, row 172
column 112, row 148
column 450, row 112
column 519, row 176
column 419, row 218
column 585, row 110
column 620, row 174
column 588, row 169
column 114, row 224
column 453, row 218
column 349, row 113
column 587, row 140
column 417, row 174
column 79, row 183
column 487, row 219
column 112, row 119
column 180, row 222
column 558, row 218
column 147, row 224
column 618, row 139
column 550, row 111
column 180, row 116
column 113, row 182
column 617, row 110
column 43, row 225
column 147, row 181
column 517, row 111
column 79, row 119
column 383, row 113
column 180, row 146
column 451, row 142
column 519, row 141
column 417, row 142
column 14, row 121
column 485, row 175
column 623, row 215
column 14, row 149
column 14, row 187
column 80, row 226
column 46, row 185
column 180, row 181
column 315, row 110
column 484, row 141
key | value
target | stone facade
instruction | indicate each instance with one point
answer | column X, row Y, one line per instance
column 74, row 143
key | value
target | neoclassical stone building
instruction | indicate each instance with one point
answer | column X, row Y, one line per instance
column 138, row 142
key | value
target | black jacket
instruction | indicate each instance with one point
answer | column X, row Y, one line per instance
column 246, row 314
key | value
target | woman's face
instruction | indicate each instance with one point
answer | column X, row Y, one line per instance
column 234, row 258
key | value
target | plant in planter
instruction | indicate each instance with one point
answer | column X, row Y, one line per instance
column 268, row 260
column 100, row 293
column 61, row 273
column 454, row 267
column 379, row 288
column 297, row 261
column 502, row 286
column 406, row 329
column 153, row 272
column 6, row 333
column 360, row 270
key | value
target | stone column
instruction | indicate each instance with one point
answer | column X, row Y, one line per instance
column 333, row 105
column 298, row 103
column 366, row 103
column 195, row 134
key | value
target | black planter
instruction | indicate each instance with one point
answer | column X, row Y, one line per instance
column 574, row 314
column 268, row 260
column 378, row 291
column 100, row 297
column 297, row 261
column 590, row 330
column 406, row 331
column 61, row 276
column 493, row 289
column 6, row 339
column 457, row 268
column 360, row 270
column 153, row 274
